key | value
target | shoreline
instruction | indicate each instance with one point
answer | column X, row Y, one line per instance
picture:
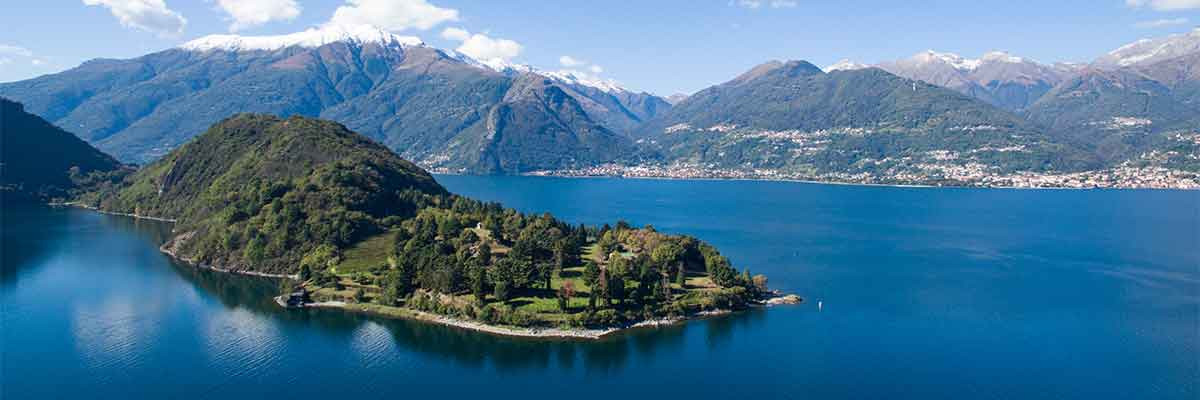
column 169, row 248
column 834, row 183
column 135, row 216
column 502, row 330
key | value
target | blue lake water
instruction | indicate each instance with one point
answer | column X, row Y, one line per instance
column 927, row 294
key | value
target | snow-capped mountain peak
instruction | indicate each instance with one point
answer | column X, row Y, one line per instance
column 846, row 65
column 585, row 79
column 567, row 76
column 954, row 60
column 312, row 37
column 320, row 36
column 1001, row 56
column 1149, row 51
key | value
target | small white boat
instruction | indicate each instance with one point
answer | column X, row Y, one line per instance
column 819, row 304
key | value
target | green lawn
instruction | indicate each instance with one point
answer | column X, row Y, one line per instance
column 368, row 253
column 540, row 302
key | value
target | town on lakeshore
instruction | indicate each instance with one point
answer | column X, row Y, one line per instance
column 974, row 175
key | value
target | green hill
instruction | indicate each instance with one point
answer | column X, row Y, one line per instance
column 1120, row 115
column 356, row 223
column 39, row 160
column 258, row 192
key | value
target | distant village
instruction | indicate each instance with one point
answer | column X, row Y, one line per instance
column 968, row 175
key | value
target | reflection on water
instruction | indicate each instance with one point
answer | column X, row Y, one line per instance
column 250, row 299
column 108, row 335
column 242, row 340
column 928, row 294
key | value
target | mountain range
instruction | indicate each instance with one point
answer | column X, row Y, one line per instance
column 919, row 117
column 792, row 116
column 437, row 107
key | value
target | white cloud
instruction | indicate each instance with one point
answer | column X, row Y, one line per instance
column 485, row 48
column 456, row 34
column 147, row 15
column 11, row 53
column 568, row 61
column 250, row 13
column 755, row 4
column 571, row 63
column 1160, row 23
column 10, row 50
column 1165, row 5
column 393, row 15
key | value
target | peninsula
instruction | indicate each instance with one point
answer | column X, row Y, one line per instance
column 349, row 224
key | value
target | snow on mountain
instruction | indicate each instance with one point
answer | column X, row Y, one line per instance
column 585, row 79
column 951, row 59
column 320, row 36
column 567, row 76
column 997, row 77
column 1001, row 57
column 1149, row 51
column 676, row 98
column 846, row 65
column 313, row 37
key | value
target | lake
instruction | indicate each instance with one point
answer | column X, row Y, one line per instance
column 926, row 293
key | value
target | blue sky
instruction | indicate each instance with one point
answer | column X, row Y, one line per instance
column 665, row 46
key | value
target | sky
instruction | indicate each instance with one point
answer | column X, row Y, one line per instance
column 662, row 46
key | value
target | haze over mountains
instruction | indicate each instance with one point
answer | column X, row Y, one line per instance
column 929, row 117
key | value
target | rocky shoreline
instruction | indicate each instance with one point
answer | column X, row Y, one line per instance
column 87, row 207
column 541, row 333
column 171, row 248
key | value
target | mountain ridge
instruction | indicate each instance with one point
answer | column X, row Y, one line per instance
column 41, row 161
column 141, row 108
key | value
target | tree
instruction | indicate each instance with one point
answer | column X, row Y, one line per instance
column 492, row 224
column 484, row 253
column 592, row 296
column 516, row 274
column 305, row 273
column 760, row 282
column 591, row 273
column 391, row 289
column 565, row 292
column 479, row 284
column 559, row 256
column 666, row 255
column 468, row 237
column 359, row 296
column 681, row 278
column 618, row 266
column 286, row 287
column 501, row 291
column 523, row 254
column 608, row 242
column 616, row 290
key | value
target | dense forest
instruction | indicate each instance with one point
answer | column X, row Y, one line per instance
column 40, row 161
